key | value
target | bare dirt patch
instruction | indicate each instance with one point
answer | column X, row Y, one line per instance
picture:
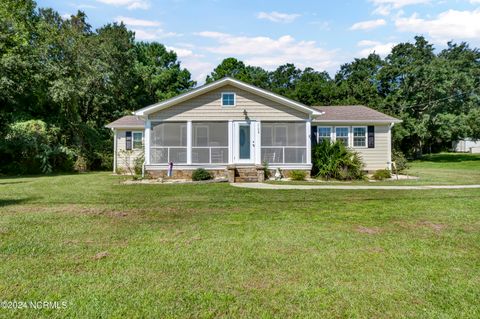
column 433, row 226
column 368, row 230
column 100, row 255
column 376, row 250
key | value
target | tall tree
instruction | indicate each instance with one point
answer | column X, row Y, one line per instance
column 160, row 74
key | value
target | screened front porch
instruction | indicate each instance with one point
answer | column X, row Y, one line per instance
column 215, row 144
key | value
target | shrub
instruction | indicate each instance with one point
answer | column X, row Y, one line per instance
column 336, row 161
column 266, row 170
column 80, row 164
column 201, row 174
column 400, row 160
column 138, row 164
column 32, row 147
column 298, row 175
column 382, row 174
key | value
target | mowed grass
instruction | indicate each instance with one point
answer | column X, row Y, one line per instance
column 212, row 250
column 435, row 169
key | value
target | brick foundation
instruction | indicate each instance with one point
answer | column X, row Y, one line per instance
column 183, row 173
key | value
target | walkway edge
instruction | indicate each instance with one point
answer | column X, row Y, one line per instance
column 350, row 187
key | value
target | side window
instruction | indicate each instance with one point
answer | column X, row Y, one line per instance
column 341, row 134
column 359, row 137
column 128, row 140
column 137, row 140
column 324, row 133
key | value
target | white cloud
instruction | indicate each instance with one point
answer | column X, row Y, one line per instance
column 385, row 7
column 137, row 22
column 448, row 25
column 379, row 48
column 275, row 16
column 146, row 30
column 322, row 25
column 270, row 53
column 130, row 4
column 152, row 34
column 368, row 25
column 66, row 16
column 192, row 61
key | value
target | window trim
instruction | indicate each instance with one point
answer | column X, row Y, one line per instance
column 196, row 127
column 331, row 133
column 234, row 99
column 365, row 136
column 275, row 127
column 133, row 140
column 348, row 134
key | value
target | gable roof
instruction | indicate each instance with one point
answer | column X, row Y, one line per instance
column 129, row 121
column 353, row 113
column 217, row 84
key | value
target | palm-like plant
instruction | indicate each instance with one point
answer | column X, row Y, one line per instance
column 336, row 161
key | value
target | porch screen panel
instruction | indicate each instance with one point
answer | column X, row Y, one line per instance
column 168, row 143
column 210, row 142
column 284, row 142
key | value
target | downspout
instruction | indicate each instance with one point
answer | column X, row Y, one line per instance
column 390, row 146
column 114, row 150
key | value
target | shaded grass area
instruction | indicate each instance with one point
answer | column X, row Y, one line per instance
column 435, row 169
column 112, row 250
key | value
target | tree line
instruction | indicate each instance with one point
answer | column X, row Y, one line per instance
column 61, row 82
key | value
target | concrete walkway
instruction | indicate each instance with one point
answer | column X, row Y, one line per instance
column 352, row 187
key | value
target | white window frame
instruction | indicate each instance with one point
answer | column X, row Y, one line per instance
column 348, row 134
column 275, row 127
column 331, row 133
column 133, row 140
column 366, row 136
column 234, row 99
column 196, row 133
column 183, row 124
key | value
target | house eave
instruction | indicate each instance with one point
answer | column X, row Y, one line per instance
column 212, row 86
column 315, row 121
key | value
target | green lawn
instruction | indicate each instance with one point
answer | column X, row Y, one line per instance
column 435, row 169
column 213, row 250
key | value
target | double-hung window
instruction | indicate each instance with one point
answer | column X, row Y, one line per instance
column 228, row 99
column 324, row 133
column 137, row 140
column 360, row 136
column 341, row 134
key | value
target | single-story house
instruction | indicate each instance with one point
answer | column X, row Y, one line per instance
column 231, row 125
column 466, row 145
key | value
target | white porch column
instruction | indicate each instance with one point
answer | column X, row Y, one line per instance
column 230, row 142
column 258, row 143
column 114, row 150
column 308, row 125
column 148, row 128
column 189, row 142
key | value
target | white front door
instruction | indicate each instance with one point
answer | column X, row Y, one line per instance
column 244, row 142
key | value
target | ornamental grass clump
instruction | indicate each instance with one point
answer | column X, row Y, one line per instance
column 336, row 161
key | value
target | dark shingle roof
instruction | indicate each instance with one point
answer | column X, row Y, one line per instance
column 352, row 113
column 129, row 121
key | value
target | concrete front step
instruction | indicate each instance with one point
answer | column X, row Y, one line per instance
column 245, row 174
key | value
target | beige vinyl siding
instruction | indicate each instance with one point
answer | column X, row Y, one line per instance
column 123, row 160
column 207, row 107
column 378, row 157
column 374, row 158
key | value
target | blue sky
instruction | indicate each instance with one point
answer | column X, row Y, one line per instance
column 268, row 33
